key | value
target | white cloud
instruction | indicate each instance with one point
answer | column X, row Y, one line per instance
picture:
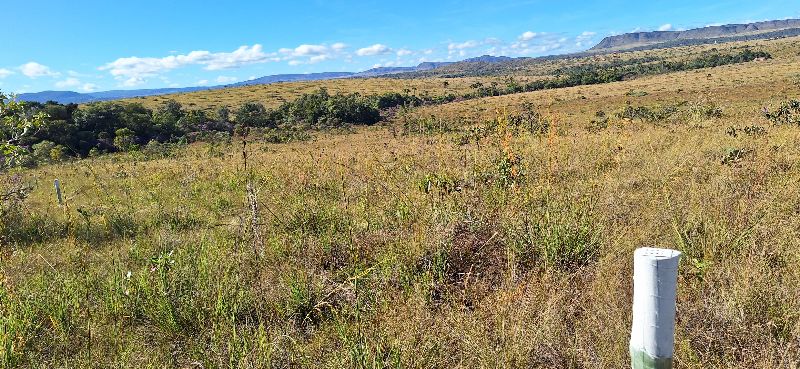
column 73, row 73
column 464, row 45
column 5, row 73
column 68, row 83
column 404, row 52
column 385, row 65
column 36, row 70
column 665, row 27
column 74, row 83
column 312, row 53
column 527, row 36
column 202, row 82
column 89, row 87
column 310, row 50
column 132, row 82
column 134, row 70
column 226, row 79
column 377, row 49
column 584, row 38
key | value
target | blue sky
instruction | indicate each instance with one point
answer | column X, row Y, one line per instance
column 85, row 46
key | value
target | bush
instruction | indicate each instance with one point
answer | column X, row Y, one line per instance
column 286, row 135
column 125, row 139
column 41, row 151
column 59, row 153
column 13, row 194
column 788, row 113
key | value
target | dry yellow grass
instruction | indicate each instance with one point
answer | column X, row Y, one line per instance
column 275, row 94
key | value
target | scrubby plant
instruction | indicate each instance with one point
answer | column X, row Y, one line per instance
column 558, row 235
column 599, row 122
column 787, row 113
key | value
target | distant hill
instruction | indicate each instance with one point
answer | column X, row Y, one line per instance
column 639, row 39
column 293, row 78
column 383, row 71
column 488, row 59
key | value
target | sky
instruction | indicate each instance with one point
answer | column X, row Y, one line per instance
column 86, row 46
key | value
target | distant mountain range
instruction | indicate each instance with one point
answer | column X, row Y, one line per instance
column 639, row 39
column 68, row 97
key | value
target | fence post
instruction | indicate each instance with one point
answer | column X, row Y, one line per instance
column 57, row 185
column 655, row 277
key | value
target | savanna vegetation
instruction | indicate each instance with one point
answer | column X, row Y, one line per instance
column 495, row 231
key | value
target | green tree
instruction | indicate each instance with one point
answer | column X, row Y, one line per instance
column 16, row 122
column 125, row 139
column 252, row 114
column 166, row 119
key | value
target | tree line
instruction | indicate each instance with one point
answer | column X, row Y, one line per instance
column 616, row 71
column 78, row 131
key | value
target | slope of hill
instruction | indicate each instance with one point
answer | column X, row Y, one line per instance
column 629, row 40
column 293, row 78
column 384, row 71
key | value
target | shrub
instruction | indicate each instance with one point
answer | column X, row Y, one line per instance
column 788, row 113
column 13, row 193
column 41, row 151
column 599, row 123
column 125, row 139
column 286, row 135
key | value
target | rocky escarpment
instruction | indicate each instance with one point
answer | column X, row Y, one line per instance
column 635, row 39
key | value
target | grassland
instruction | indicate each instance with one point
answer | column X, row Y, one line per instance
column 476, row 243
column 275, row 94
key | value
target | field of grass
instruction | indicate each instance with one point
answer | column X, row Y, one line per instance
column 457, row 235
column 275, row 94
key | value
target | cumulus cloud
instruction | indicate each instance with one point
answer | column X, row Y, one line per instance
column 5, row 73
column 68, row 83
column 36, row 70
column 89, row 87
column 527, row 36
column 377, row 49
column 385, row 65
column 132, row 71
column 584, row 39
column 226, row 79
column 665, row 27
column 463, row 45
column 75, row 83
column 306, row 50
column 404, row 52
column 202, row 82
column 310, row 54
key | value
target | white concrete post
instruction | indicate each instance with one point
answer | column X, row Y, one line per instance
column 655, row 279
column 57, row 185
